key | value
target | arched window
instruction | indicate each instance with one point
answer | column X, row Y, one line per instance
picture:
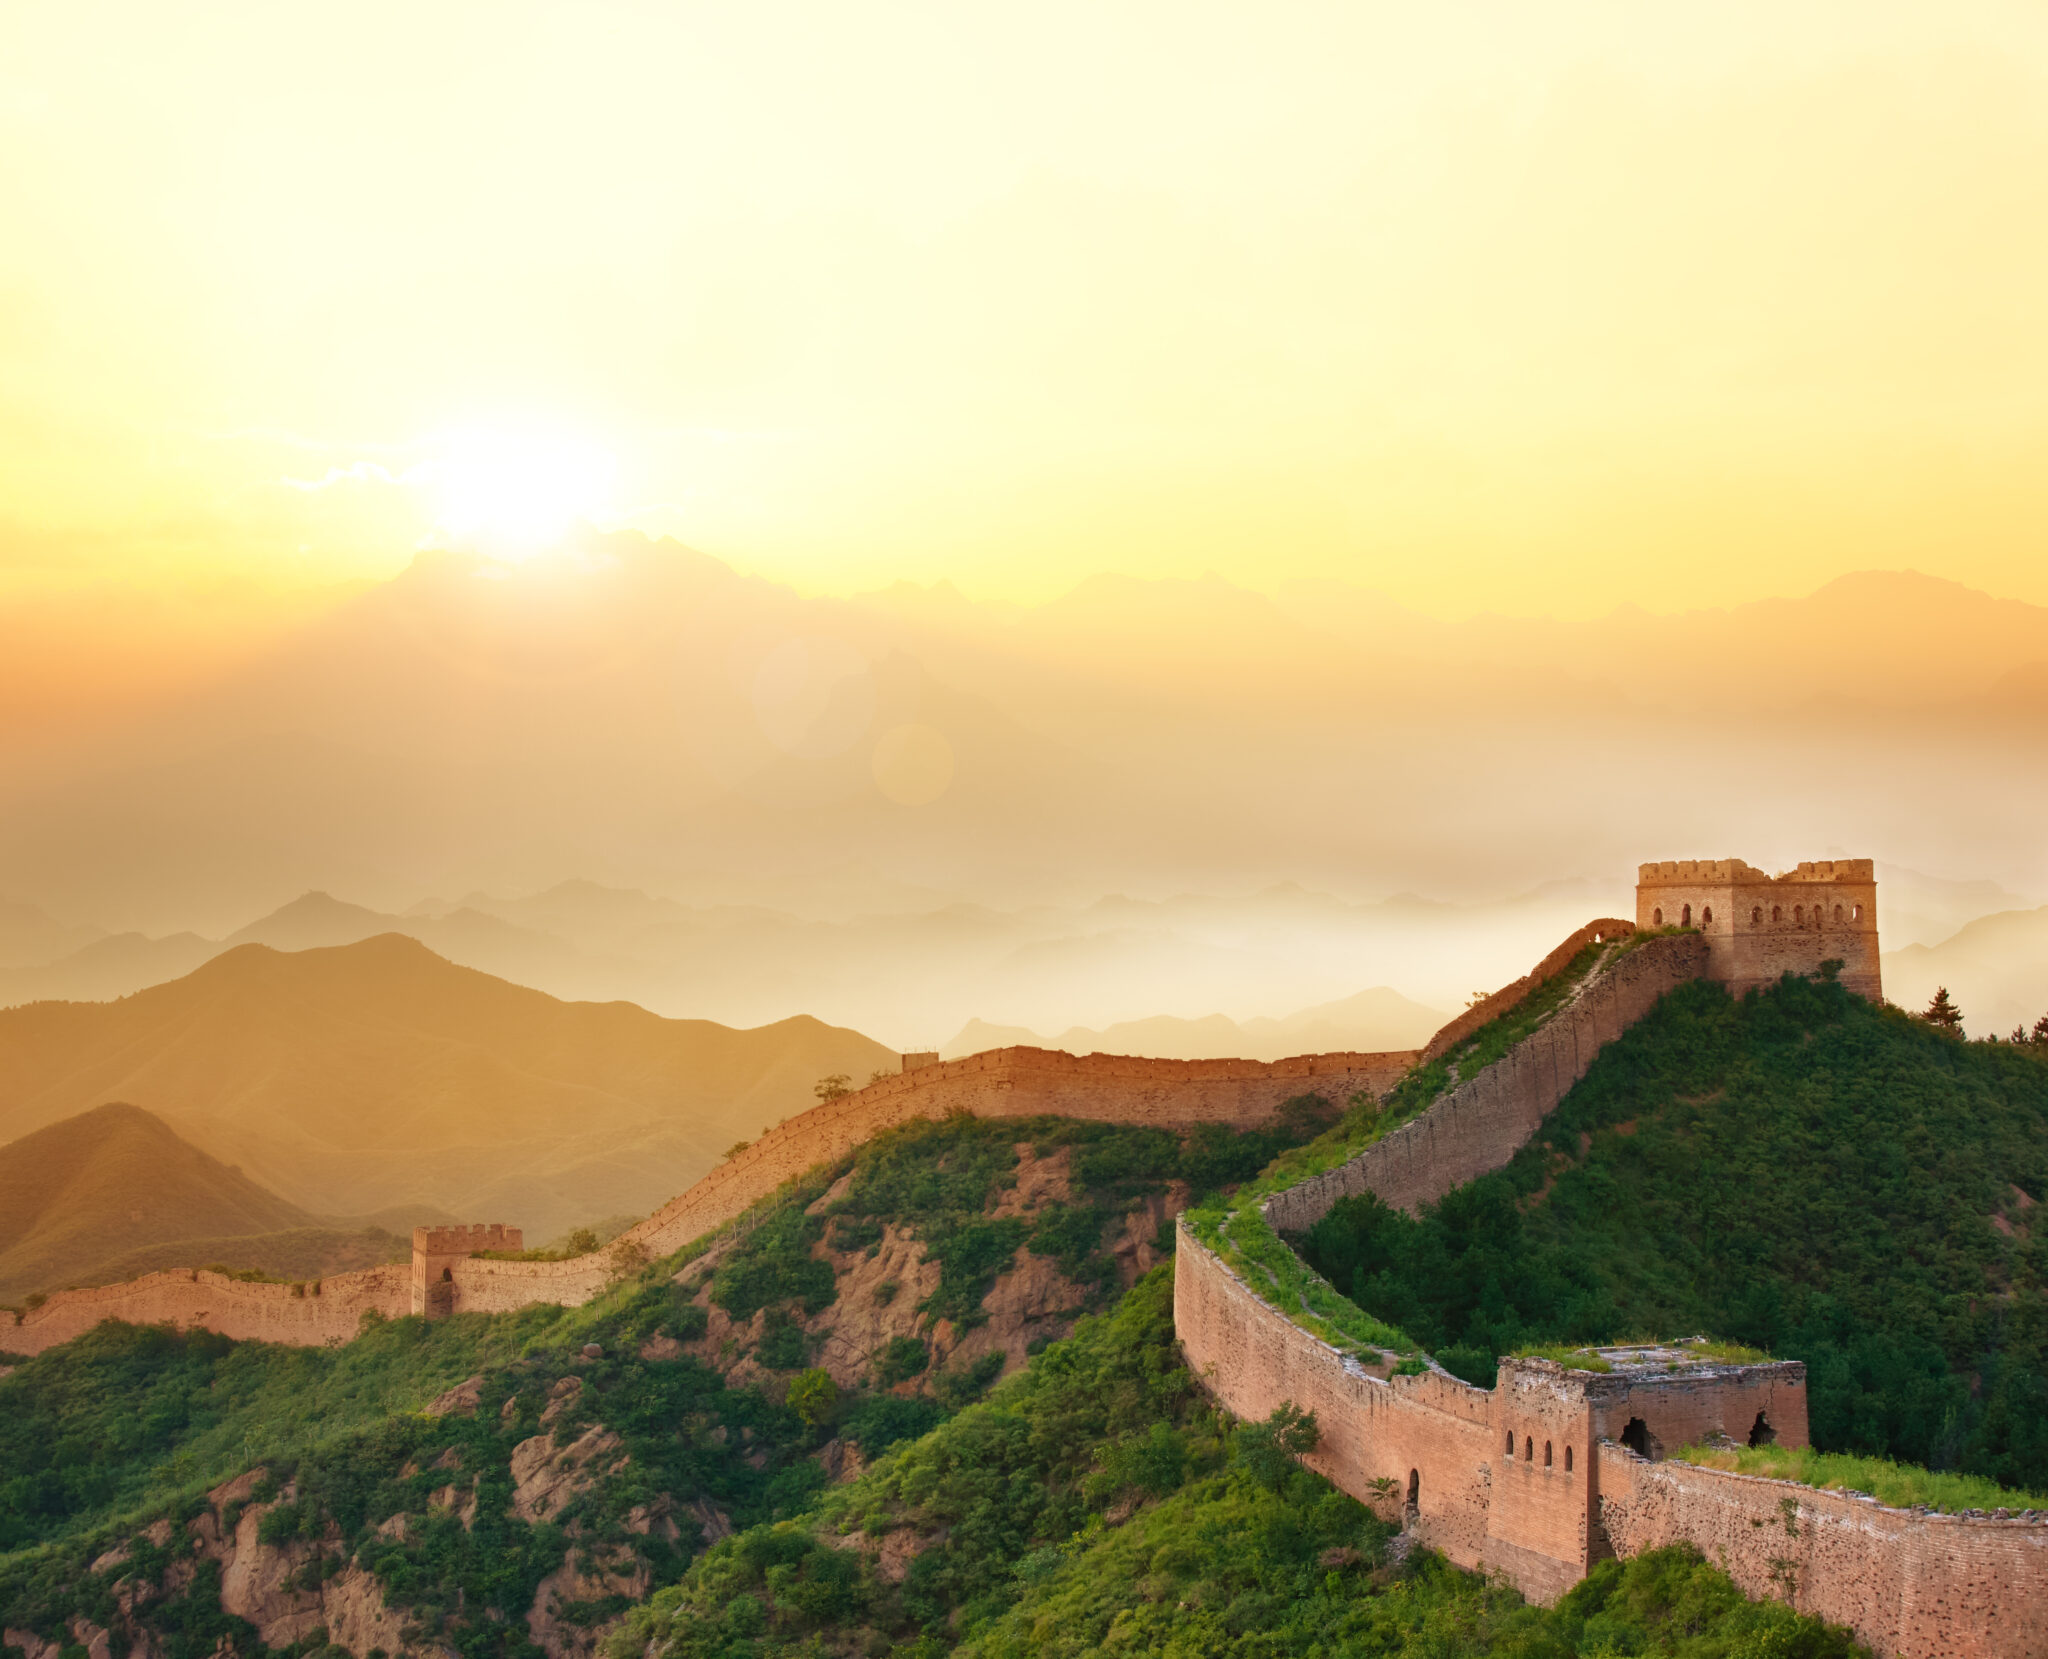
column 1838, row 915
column 1529, row 1448
column 1546, row 1454
column 1567, row 1460
column 1777, row 912
column 1799, row 915
column 1856, row 913
column 1685, row 916
column 1707, row 917
column 1511, row 1442
column 1414, row 1488
column 1657, row 917
column 1761, row 1433
column 447, row 1275
column 1756, row 915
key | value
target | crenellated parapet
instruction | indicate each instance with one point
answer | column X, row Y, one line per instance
column 1759, row 927
column 437, row 1252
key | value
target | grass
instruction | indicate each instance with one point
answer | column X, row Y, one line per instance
column 1901, row 1485
column 1243, row 1237
column 1245, row 1241
column 1572, row 1359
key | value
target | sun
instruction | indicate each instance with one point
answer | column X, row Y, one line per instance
column 513, row 492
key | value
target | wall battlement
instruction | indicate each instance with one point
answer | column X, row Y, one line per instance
column 1759, row 927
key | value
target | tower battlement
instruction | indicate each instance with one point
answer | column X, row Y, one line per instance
column 436, row 1250
column 1760, row 926
column 461, row 1241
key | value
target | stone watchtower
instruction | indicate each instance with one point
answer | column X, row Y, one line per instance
column 436, row 1250
column 1760, row 926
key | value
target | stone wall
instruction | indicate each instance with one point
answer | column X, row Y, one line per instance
column 1759, row 927
column 1488, row 1009
column 321, row 1314
column 1915, row 1585
column 1009, row 1082
column 1014, row 1082
column 1483, row 1122
column 1431, row 1429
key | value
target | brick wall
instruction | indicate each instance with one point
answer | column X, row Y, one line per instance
column 1759, row 927
column 1251, row 1357
column 313, row 1315
column 1490, row 1008
column 1915, row 1585
column 1483, row 1122
column 1014, row 1082
column 1011, row 1082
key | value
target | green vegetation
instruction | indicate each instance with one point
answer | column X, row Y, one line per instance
column 1095, row 1503
column 1573, row 1359
column 1798, row 1172
column 1899, row 1484
column 1243, row 1238
column 940, row 1181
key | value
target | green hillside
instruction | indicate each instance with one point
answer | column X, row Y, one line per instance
column 1091, row 1501
column 114, row 1192
column 1799, row 1171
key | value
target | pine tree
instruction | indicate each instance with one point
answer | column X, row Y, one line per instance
column 2041, row 1029
column 1943, row 1014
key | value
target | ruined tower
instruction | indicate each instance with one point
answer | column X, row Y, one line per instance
column 1759, row 926
column 437, row 1250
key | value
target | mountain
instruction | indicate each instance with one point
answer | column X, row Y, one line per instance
column 688, row 1466
column 1374, row 1021
column 1996, row 970
column 375, row 1075
column 642, row 715
column 80, row 1195
column 29, row 935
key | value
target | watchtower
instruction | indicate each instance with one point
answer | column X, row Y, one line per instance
column 436, row 1250
column 1543, row 1511
column 1760, row 926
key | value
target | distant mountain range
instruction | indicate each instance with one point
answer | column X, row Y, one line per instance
column 1375, row 1021
column 643, row 715
column 378, row 1077
column 114, row 1192
column 1996, row 971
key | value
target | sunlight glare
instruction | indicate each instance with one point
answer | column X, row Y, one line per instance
column 514, row 493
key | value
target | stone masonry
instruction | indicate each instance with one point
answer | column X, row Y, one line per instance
column 1758, row 927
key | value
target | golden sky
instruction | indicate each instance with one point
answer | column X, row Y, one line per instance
column 1533, row 308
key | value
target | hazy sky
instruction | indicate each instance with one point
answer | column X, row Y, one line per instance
column 1539, row 308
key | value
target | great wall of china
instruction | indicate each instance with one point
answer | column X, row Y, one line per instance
column 1477, row 1488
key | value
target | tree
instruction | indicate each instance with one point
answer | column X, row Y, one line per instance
column 831, row 1088
column 1943, row 1014
column 814, row 1396
column 2041, row 1029
column 1271, row 1450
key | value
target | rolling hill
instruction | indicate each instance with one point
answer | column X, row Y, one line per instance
column 1996, row 969
column 377, row 1075
column 114, row 1192
column 1374, row 1021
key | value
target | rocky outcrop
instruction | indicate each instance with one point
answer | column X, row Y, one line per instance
column 547, row 1478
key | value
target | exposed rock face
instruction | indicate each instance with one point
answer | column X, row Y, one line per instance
column 546, row 1476
column 460, row 1401
column 259, row 1582
column 579, row 1578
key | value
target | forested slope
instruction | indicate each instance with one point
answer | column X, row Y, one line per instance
column 776, row 1436
column 1798, row 1170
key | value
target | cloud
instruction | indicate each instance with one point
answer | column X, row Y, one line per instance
column 358, row 472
